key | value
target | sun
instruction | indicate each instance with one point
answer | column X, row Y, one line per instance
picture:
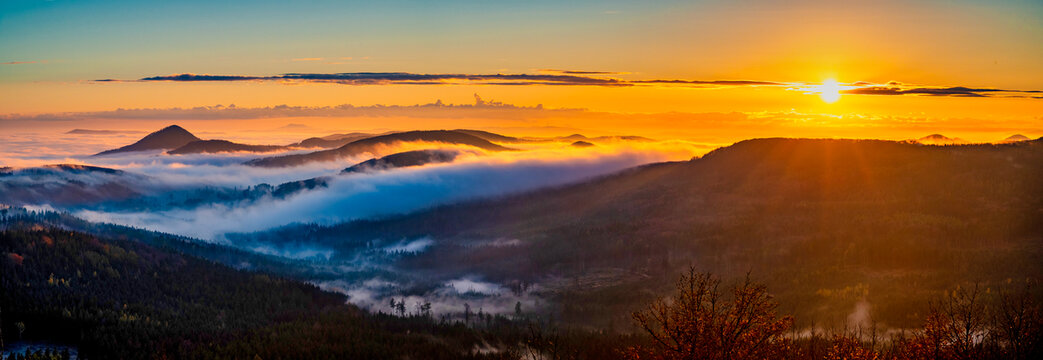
column 829, row 91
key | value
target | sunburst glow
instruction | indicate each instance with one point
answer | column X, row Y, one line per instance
column 829, row 91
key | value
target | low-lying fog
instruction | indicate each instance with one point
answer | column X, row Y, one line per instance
column 370, row 278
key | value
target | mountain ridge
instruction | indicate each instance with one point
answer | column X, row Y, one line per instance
column 170, row 137
column 404, row 159
column 781, row 208
column 371, row 144
column 220, row 146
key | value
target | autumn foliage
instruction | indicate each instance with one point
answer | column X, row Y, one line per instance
column 699, row 322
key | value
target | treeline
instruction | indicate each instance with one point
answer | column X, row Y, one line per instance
column 813, row 217
column 47, row 354
column 122, row 299
column 705, row 319
column 227, row 255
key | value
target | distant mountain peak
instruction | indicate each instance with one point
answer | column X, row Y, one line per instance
column 81, row 167
column 1016, row 138
column 174, row 127
column 170, row 137
column 404, row 159
column 371, row 145
column 939, row 139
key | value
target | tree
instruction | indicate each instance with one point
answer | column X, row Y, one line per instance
column 850, row 348
column 1018, row 323
column 425, row 309
column 955, row 328
column 699, row 323
column 467, row 313
column 401, row 307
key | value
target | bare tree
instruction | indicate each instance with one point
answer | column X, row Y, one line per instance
column 956, row 328
column 699, row 323
column 1018, row 324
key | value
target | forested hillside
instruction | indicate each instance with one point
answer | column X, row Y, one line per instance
column 828, row 223
column 122, row 299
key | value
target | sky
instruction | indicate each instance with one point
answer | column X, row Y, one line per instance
column 666, row 69
column 690, row 76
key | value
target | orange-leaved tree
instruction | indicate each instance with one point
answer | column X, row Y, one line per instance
column 699, row 322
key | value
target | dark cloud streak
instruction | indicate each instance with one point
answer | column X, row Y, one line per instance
column 956, row 91
column 554, row 77
column 399, row 78
column 580, row 72
column 712, row 82
column 194, row 77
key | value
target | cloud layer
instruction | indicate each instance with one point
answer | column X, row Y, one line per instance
column 583, row 78
column 484, row 108
column 897, row 88
column 558, row 77
column 368, row 195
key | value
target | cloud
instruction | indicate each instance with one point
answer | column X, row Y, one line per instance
column 580, row 72
column 469, row 285
column 18, row 62
column 398, row 78
column 384, row 193
column 194, row 77
column 449, row 298
column 309, row 59
column 897, row 88
column 101, row 132
column 559, row 77
column 553, row 77
column 493, row 109
column 712, row 82
column 413, row 246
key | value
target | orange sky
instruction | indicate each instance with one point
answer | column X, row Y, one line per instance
column 50, row 53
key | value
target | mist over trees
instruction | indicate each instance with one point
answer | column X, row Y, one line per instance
column 122, row 299
column 818, row 249
column 829, row 223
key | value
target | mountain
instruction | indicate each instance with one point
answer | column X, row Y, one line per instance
column 493, row 137
column 939, row 139
column 170, row 137
column 573, row 137
column 373, row 145
column 404, row 159
column 76, row 169
column 1015, row 138
column 180, row 142
column 609, row 138
column 621, row 138
column 826, row 222
column 194, row 197
column 220, row 146
column 331, row 141
column 581, row 144
column 295, row 127
column 120, row 298
column 69, row 185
